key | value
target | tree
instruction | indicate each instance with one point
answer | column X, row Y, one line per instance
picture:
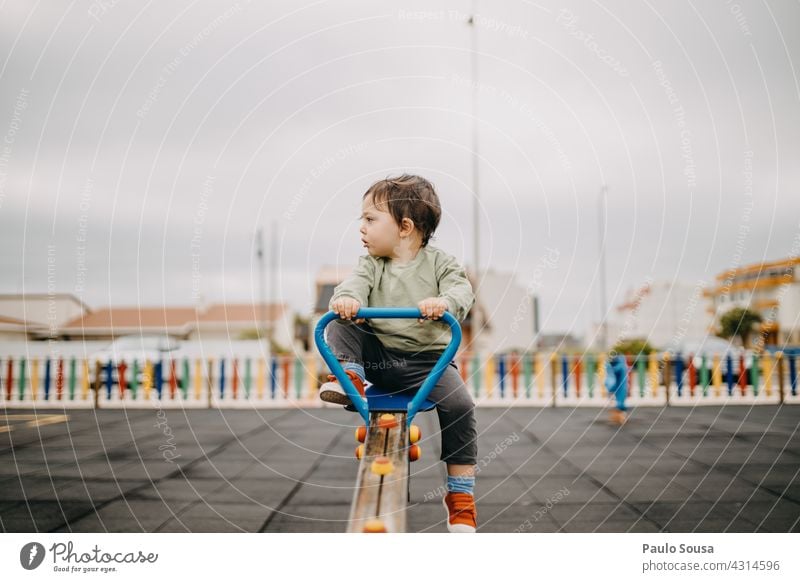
column 738, row 322
column 637, row 346
column 261, row 334
column 250, row 334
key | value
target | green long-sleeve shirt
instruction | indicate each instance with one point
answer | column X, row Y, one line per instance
column 381, row 282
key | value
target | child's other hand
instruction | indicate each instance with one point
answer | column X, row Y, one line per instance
column 432, row 308
column 346, row 308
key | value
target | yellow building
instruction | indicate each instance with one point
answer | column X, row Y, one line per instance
column 771, row 289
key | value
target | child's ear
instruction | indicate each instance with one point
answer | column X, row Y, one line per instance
column 406, row 226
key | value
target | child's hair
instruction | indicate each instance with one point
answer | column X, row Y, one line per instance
column 411, row 197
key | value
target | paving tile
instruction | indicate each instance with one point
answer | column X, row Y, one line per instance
column 685, row 469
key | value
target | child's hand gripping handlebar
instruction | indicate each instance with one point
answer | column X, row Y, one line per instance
column 358, row 401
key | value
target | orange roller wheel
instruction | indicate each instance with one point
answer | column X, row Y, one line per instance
column 382, row 466
column 361, row 434
column 414, row 452
column 387, row 421
column 374, row 526
column 359, row 452
column 414, row 433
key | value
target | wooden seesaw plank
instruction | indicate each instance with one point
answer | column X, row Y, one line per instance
column 382, row 497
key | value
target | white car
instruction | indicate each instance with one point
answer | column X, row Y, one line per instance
column 140, row 348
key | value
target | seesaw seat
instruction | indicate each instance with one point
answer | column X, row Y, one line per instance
column 385, row 400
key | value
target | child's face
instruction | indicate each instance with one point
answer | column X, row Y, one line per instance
column 380, row 234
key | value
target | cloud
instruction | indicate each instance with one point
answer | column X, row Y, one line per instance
column 293, row 110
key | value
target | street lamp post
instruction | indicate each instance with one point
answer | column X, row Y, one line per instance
column 601, row 212
column 476, row 318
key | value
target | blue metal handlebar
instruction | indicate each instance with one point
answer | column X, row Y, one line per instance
column 387, row 313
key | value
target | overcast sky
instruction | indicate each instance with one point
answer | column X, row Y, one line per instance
column 143, row 145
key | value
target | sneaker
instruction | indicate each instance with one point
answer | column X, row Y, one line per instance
column 461, row 513
column 332, row 391
column 617, row 416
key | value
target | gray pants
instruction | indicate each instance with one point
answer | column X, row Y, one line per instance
column 396, row 370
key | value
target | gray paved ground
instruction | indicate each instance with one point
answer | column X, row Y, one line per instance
column 678, row 470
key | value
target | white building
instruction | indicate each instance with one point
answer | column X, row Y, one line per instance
column 220, row 321
column 37, row 315
column 770, row 289
column 510, row 314
column 13, row 329
column 665, row 313
column 508, row 310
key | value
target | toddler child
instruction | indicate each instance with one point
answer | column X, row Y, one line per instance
column 401, row 269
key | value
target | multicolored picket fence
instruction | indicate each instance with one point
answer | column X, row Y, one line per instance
column 499, row 380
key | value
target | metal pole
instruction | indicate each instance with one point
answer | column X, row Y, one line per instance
column 273, row 261
column 477, row 322
column 602, row 234
column 260, row 256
